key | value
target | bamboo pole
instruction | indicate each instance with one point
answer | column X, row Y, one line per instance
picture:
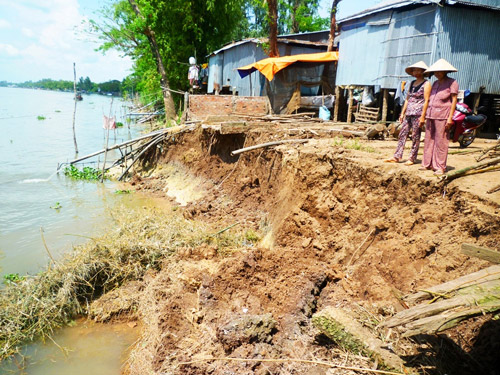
column 74, row 111
column 151, row 143
column 107, row 142
column 275, row 143
column 135, row 140
column 454, row 174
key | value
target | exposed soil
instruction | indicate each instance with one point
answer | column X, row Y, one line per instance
column 339, row 228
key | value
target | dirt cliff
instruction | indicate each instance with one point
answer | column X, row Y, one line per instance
column 328, row 224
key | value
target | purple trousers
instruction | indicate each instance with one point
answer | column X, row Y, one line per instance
column 413, row 123
column 436, row 145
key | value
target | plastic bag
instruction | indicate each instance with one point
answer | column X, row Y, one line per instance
column 368, row 98
column 324, row 113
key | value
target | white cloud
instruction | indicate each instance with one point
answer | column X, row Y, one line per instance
column 4, row 24
column 8, row 50
column 48, row 39
column 27, row 32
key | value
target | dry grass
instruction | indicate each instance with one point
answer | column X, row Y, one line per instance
column 35, row 306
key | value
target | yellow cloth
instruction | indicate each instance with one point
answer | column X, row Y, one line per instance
column 272, row 65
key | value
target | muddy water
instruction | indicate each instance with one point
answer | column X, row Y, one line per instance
column 87, row 348
column 36, row 135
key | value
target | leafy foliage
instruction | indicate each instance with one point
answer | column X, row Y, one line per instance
column 87, row 173
column 294, row 16
column 12, row 278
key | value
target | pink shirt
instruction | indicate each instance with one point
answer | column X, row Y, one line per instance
column 440, row 99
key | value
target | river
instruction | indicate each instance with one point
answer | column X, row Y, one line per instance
column 36, row 135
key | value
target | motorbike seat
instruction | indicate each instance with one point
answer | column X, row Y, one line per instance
column 475, row 119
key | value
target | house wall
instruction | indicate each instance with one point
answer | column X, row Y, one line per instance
column 411, row 37
column 362, row 50
column 223, row 66
column 374, row 53
column 468, row 39
column 202, row 106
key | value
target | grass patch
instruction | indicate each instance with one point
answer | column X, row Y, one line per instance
column 87, row 173
column 33, row 307
column 351, row 144
column 125, row 191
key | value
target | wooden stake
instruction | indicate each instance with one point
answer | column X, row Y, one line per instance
column 74, row 111
column 385, row 101
column 337, row 104
column 349, row 106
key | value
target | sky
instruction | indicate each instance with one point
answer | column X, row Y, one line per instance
column 43, row 38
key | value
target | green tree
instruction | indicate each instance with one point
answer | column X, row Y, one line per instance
column 165, row 33
column 294, row 16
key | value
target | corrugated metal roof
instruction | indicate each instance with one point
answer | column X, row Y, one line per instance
column 491, row 4
column 239, row 43
column 386, row 5
column 395, row 4
column 264, row 40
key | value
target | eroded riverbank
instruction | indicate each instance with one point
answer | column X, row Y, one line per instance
column 263, row 241
column 338, row 228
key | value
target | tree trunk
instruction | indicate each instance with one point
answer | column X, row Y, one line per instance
column 295, row 23
column 167, row 96
column 273, row 28
column 333, row 24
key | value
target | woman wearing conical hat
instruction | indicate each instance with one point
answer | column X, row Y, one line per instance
column 413, row 113
column 439, row 117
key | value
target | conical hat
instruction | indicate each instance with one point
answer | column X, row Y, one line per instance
column 441, row 66
column 419, row 65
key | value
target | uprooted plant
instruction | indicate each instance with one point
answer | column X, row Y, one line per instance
column 34, row 306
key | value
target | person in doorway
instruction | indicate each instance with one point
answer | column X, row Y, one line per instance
column 413, row 114
column 442, row 104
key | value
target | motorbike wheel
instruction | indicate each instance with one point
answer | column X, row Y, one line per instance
column 466, row 139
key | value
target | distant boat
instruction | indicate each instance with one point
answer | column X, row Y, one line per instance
column 78, row 97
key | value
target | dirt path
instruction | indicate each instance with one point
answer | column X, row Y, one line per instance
column 336, row 226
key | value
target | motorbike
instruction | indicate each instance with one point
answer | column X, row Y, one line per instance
column 466, row 125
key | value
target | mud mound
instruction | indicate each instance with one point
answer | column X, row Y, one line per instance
column 338, row 230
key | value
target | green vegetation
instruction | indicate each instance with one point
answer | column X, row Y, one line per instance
column 34, row 306
column 12, row 278
column 352, row 144
column 184, row 28
column 123, row 191
column 40, row 118
column 86, row 85
column 57, row 206
column 87, row 173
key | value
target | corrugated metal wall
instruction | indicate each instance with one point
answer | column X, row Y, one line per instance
column 222, row 67
column 411, row 38
column 468, row 39
column 464, row 36
column 361, row 52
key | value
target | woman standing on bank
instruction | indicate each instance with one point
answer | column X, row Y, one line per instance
column 413, row 113
column 442, row 103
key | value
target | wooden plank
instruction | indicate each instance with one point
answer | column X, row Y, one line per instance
column 481, row 253
column 369, row 109
column 487, row 274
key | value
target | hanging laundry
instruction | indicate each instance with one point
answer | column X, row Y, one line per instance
column 109, row 122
